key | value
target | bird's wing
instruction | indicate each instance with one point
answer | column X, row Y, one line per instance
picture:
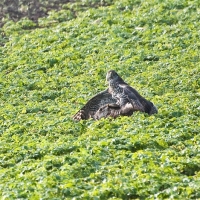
column 133, row 97
column 138, row 102
column 91, row 107
column 131, row 92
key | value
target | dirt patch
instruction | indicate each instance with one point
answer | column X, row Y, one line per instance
column 34, row 9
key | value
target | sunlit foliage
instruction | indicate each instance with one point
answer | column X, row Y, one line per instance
column 50, row 69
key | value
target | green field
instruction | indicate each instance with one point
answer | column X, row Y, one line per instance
column 49, row 70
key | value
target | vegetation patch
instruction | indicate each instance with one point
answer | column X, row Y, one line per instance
column 48, row 72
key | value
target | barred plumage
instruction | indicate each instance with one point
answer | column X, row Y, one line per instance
column 91, row 107
column 118, row 99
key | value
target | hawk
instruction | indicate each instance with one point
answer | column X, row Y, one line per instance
column 118, row 99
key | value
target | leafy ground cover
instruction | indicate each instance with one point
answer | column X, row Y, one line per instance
column 48, row 72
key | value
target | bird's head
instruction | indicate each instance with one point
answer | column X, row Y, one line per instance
column 112, row 76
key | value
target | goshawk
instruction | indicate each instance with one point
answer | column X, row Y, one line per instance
column 118, row 99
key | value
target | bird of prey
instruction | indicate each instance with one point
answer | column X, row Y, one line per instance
column 118, row 99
